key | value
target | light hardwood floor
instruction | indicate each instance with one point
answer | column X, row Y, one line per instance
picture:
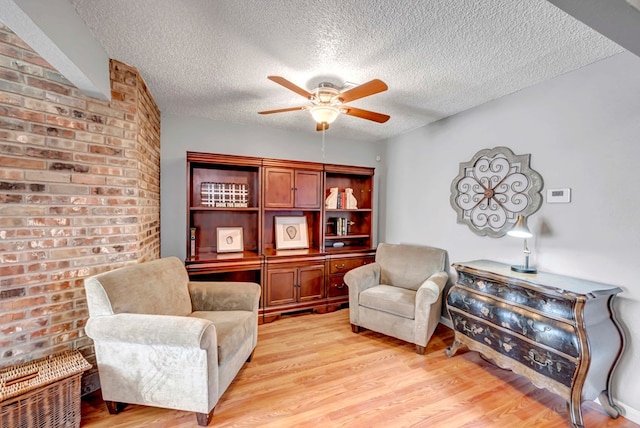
column 312, row 371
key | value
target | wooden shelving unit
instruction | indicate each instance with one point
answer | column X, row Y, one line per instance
column 294, row 279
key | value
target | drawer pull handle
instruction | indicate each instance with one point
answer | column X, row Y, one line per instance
column 540, row 360
column 340, row 285
column 342, row 266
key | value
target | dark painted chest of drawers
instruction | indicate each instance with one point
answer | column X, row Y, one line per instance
column 558, row 331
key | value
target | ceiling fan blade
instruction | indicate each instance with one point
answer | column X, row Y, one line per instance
column 365, row 114
column 322, row 126
column 364, row 90
column 284, row 82
column 281, row 110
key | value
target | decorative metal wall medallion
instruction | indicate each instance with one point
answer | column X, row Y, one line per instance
column 493, row 188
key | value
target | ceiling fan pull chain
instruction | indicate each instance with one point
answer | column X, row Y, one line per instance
column 324, row 129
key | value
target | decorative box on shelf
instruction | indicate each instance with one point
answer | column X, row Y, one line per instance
column 224, row 195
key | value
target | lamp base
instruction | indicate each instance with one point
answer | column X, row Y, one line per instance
column 524, row 269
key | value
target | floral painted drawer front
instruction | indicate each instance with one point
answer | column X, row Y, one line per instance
column 558, row 335
column 541, row 360
column 560, row 307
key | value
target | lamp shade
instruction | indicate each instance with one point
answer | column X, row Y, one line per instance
column 324, row 114
column 520, row 229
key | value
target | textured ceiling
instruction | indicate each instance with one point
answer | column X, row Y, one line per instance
column 211, row 59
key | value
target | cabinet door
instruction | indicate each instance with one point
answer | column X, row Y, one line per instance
column 279, row 187
column 281, row 286
column 310, row 283
column 337, row 287
column 307, row 189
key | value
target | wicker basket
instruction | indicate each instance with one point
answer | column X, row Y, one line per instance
column 43, row 392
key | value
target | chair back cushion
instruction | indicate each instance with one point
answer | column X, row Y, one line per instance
column 158, row 287
column 408, row 266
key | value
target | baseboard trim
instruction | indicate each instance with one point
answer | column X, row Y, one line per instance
column 628, row 412
column 446, row 322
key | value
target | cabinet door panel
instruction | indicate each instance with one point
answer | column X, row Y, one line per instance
column 281, row 287
column 279, row 188
column 307, row 185
column 311, row 283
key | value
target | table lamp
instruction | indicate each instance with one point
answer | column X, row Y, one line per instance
column 521, row 230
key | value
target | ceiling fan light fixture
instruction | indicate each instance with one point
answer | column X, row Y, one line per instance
column 324, row 114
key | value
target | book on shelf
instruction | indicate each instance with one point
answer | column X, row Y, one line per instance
column 192, row 241
column 345, row 200
column 339, row 226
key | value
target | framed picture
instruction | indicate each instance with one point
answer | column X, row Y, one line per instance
column 291, row 232
column 230, row 239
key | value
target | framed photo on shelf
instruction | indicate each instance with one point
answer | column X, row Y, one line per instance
column 230, row 239
column 291, row 232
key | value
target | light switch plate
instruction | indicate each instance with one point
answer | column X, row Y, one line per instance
column 558, row 196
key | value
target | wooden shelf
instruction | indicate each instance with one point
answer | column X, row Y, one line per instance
column 338, row 237
column 208, row 256
column 203, row 208
column 343, row 210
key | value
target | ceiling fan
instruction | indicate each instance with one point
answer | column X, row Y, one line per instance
column 327, row 102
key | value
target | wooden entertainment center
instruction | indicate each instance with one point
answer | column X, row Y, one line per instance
column 250, row 193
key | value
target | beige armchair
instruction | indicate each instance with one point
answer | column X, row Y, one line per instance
column 161, row 340
column 399, row 295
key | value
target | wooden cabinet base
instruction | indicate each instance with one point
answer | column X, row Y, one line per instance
column 272, row 314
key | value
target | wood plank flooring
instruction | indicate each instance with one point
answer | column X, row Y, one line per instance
column 311, row 370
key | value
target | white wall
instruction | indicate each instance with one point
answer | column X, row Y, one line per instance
column 582, row 130
column 180, row 134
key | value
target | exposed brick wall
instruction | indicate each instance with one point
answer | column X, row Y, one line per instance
column 79, row 194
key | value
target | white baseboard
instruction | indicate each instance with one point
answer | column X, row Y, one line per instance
column 446, row 321
column 628, row 412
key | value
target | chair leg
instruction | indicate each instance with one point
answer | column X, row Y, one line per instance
column 114, row 407
column 204, row 418
column 420, row 349
column 355, row 328
column 250, row 356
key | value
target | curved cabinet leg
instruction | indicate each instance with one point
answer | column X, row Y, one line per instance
column 575, row 413
column 608, row 405
column 451, row 350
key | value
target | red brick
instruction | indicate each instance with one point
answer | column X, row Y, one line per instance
column 63, row 169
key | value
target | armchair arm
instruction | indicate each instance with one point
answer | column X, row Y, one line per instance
column 143, row 329
column 224, row 296
column 358, row 280
column 427, row 313
column 430, row 290
column 363, row 277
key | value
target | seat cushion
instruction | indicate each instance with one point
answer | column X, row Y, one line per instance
column 394, row 300
column 232, row 329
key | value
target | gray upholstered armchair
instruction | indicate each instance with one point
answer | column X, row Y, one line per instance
column 399, row 295
column 161, row 340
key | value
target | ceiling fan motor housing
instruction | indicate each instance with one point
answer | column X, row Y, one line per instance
column 325, row 94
